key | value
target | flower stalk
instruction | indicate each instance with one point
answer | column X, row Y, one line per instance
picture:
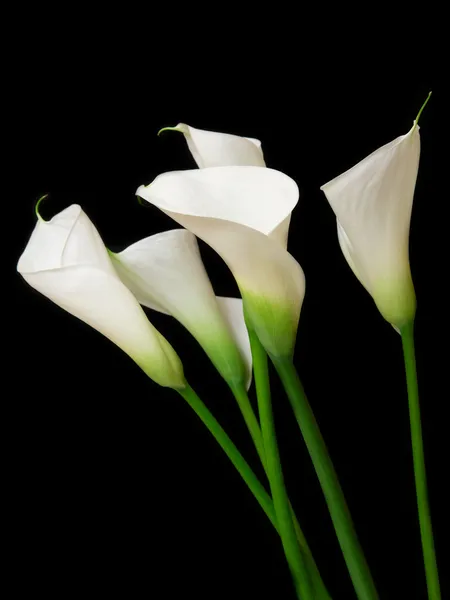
column 262, row 383
column 340, row 515
column 264, row 500
column 294, row 556
column 426, row 529
column 231, row 451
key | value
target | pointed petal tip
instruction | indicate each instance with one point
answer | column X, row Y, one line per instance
column 178, row 127
column 416, row 120
column 36, row 208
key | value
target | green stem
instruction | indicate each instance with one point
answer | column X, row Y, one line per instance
column 262, row 384
column 280, row 498
column 426, row 529
column 231, row 451
column 241, row 465
column 241, row 396
column 337, row 506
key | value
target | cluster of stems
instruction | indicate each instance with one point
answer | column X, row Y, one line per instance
column 306, row 577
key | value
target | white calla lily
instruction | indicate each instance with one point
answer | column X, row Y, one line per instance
column 372, row 202
column 213, row 149
column 66, row 260
column 242, row 212
column 165, row 272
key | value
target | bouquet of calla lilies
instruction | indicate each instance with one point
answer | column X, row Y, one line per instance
column 242, row 209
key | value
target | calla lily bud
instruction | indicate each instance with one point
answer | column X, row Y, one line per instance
column 372, row 202
column 243, row 212
column 66, row 261
column 212, row 149
column 165, row 272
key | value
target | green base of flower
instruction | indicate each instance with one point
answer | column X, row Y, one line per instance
column 274, row 323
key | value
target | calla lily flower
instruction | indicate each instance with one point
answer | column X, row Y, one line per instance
column 66, row 260
column 373, row 203
column 212, row 149
column 243, row 213
column 165, row 272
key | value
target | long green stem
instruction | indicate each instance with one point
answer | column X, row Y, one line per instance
column 259, row 357
column 337, row 506
column 231, row 451
column 262, row 384
column 280, row 498
column 426, row 530
column 238, row 461
column 251, row 421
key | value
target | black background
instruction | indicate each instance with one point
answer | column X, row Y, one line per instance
column 115, row 487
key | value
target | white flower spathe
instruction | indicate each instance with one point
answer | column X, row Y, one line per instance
column 166, row 273
column 372, row 202
column 66, row 261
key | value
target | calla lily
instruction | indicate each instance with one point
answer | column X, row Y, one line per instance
column 165, row 272
column 243, row 212
column 373, row 203
column 66, row 260
column 212, row 149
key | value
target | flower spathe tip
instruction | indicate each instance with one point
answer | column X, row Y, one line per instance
column 36, row 208
column 175, row 128
column 416, row 120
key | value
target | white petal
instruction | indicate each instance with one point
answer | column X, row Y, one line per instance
column 256, row 197
column 165, row 272
column 233, row 313
column 373, row 202
column 211, row 149
column 234, row 209
column 67, row 262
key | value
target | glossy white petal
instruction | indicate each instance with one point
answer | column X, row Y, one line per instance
column 212, row 149
column 235, row 210
column 66, row 260
column 373, row 203
column 165, row 272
